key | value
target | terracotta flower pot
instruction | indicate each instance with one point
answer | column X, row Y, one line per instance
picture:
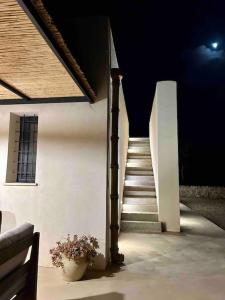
column 72, row 270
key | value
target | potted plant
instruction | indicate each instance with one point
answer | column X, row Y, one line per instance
column 74, row 256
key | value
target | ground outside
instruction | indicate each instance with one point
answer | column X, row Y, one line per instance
column 185, row 266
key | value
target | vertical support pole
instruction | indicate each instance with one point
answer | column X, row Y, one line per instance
column 116, row 257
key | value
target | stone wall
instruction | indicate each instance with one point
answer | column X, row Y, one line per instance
column 211, row 192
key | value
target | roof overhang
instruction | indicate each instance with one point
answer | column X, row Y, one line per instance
column 36, row 65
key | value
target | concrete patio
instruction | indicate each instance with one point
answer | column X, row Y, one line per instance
column 187, row 266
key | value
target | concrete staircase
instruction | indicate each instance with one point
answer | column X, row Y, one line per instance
column 140, row 212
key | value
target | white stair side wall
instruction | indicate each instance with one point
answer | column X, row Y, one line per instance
column 164, row 150
column 123, row 132
column 123, row 147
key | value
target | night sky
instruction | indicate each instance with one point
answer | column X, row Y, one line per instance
column 172, row 40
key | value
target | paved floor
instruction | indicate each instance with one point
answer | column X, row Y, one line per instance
column 186, row 266
column 212, row 209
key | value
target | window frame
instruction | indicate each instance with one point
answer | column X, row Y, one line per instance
column 13, row 150
column 27, row 149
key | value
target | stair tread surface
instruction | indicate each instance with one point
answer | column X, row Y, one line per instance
column 143, row 182
column 139, row 188
column 148, row 200
column 141, row 226
column 140, row 213
column 139, row 172
column 138, row 139
column 140, row 209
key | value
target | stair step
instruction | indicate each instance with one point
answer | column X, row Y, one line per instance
column 145, row 194
column 139, row 150
column 140, row 185
column 140, row 160
column 138, row 139
column 130, row 187
column 141, row 201
column 141, row 226
column 141, row 147
column 139, row 168
column 140, row 164
column 137, row 156
column 144, row 146
column 148, row 208
column 140, row 178
column 140, row 216
column 142, row 154
column 139, row 172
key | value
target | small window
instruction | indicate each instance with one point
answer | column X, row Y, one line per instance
column 22, row 149
column 26, row 164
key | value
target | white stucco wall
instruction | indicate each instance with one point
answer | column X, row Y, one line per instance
column 164, row 149
column 71, row 174
column 123, row 131
column 123, row 147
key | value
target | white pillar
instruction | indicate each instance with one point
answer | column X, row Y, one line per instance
column 164, row 148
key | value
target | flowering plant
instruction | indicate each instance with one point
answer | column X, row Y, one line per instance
column 78, row 248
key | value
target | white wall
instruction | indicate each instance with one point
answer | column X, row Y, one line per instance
column 71, row 173
column 164, row 149
column 123, row 132
column 123, row 147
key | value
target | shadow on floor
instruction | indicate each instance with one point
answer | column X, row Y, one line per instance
column 110, row 296
column 109, row 272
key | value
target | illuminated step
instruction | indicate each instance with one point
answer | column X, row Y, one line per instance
column 137, row 172
column 138, row 140
column 140, row 144
column 131, row 208
column 139, row 182
column 140, row 178
column 142, row 160
column 141, row 226
column 140, row 165
column 137, row 156
column 133, row 167
column 141, row 193
column 139, row 216
column 138, row 152
column 139, row 147
column 138, row 187
column 140, row 201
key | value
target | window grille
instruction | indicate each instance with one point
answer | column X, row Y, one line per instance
column 27, row 150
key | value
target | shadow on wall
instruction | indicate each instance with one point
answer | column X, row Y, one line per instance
column 110, row 296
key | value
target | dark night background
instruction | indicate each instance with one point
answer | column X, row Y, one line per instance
column 170, row 40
